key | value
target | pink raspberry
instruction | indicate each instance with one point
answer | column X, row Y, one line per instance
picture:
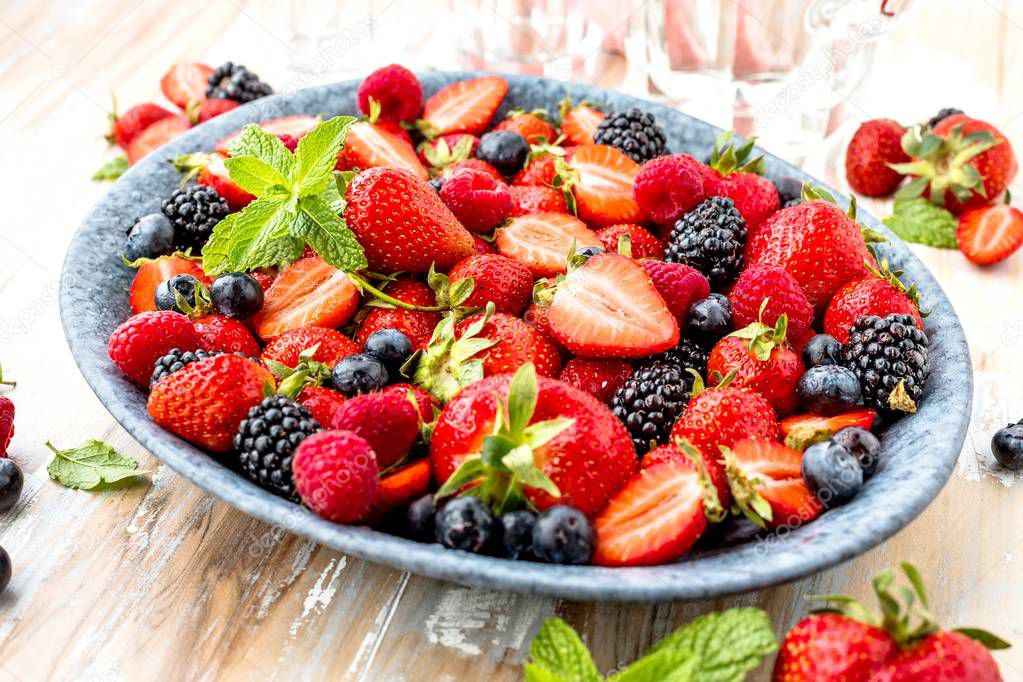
column 336, row 475
column 387, row 420
column 678, row 284
column 784, row 295
column 669, row 186
column 396, row 89
column 643, row 243
column 478, row 200
column 144, row 338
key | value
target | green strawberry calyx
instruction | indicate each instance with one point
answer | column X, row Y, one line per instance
column 565, row 179
column 291, row 381
column 905, row 611
column 763, row 339
column 943, row 164
column 452, row 295
column 870, row 235
column 727, row 158
column 505, row 466
column 884, row 272
column 712, row 508
column 746, row 497
column 450, row 363
column 439, row 154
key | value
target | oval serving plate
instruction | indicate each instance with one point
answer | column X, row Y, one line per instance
column 918, row 453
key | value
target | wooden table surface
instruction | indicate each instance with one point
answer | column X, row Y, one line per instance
column 161, row 581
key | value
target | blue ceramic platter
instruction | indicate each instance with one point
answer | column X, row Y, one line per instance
column 918, row 455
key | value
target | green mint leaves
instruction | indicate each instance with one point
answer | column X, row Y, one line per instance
column 112, row 169
column 298, row 202
column 719, row 647
column 90, row 466
column 921, row 222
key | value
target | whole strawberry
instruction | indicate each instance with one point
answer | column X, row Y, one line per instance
column 740, row 178
column 764, row 282
column 599, row 378
column 218, row 332
column 206, row 400
column 641, row 243
column 880, row 293
column 402, row 224
column 498, row 279
column 336, row 475
column 526, row 199
column 832, row 647
column 516, row 343
column 142, row 339
column 873, row 146
column 668, row 187
column 388, row 421
column 723, row 415
column 539, row 171
column 331, row 346
column 322, row 403
column 392, row 92
column 417, row 325
column 760, row 359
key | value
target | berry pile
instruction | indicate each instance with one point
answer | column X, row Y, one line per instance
column 512, row 336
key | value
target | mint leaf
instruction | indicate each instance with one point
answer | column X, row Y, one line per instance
column 90, row 466
column 256, row 176
column 726, row 644
column 921, row 222
column 558, row 651
column 534, row 673
column 112, row 169
column 255, row 237
column 324, row 230
column 316, row 155
column 267, row 147
column 664, row 665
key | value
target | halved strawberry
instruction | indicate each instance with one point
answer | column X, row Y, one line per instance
column 579, row 123
column 601, row 178
column 153, row 273
column 369, row 145
column 767, row 484
column 608, row 307
column 157, row 134
column 464, row 107
column 990, row 234
column 401, row 487
column 542, row 241
column 296, row 126
column 215, row 175
column 308, row 293
column 802, row 430
column 127, row 126
column 186, row 83
column 654, row 519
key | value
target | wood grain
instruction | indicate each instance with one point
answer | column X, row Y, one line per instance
column 160, row 581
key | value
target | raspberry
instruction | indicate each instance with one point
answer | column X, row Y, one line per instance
column 600, row 378
column 396, row 89
column 505, row 281
column 425, row 403
column 474, row 164
column 388, row 421
column 679, row 285
column 784, row 296
column 479, row 201
column 642, row 242
column 336, row 475
column 669, row 187
column 528, row 199
column 143, row 339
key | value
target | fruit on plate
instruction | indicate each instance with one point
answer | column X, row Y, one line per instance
column 767, row 484
column 668, row 187
column 735, row 173
column 308, row 293
column 763, row 293
column 388, row 421
column 463, row 107
column 599, row 378
column 634, row 132
column 393, row 92
column 600, row 179
column 650, row 401
column 543, row 241
column 880, row 293
column 152, row 273
column 336, row 475
column 579, row 122
column 874, row 147
column 370, row 145
column 889, row 356
column 679, row 285
column 631, row 240
column 801, row 430
column 143, row 338
column 711, row 238
column 417, row 325
column 503, row 281
column 723, row 415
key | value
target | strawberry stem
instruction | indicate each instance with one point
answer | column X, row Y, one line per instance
column 362, row 283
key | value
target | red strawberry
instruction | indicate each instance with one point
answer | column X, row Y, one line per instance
column 498, row 279
column 331, row 346
column 801, row 430
column 424, row 402
column 482, row 246
column 642, row 244
column 336, row 475
column 880, row 293
column 740, row 178
column 206, row 400
column 601, row 179
column 536, row 317
column 655, row 518
column 767, row 484
column 723, row 416
column 516, row 344
column 478, row 200
column 402, row 224
column 526, row 199
column 579, row 123
column 447, row 150
column 990, row 234
column 874, row 146
column 296, row 126
column 540, row 170
column 265, row 279
column 816, row 243
column 127, row 126
column 309, row 292
column 464, row 107
column 608, row 307
column 783, row 295
column 142, row 339
column 714, row 466
column 153, row 273
column 762, row 362
column 211, row 108
column 321, row 402
column 369, row 145
column 6, row 424
column 599, row 378
column 669, row 186
column 156, row 135
column 186, row 83
column 473, row 164
column 214, row 174
column 417, row 325
column 830, row 647
column 542, row 241
column 962, row 163
column 217, row 332
column 401, row 487
column 951, row 656
column 678, row 284
column 587, row 461
column 531, row 125
column 396, row 91
column 388, row 421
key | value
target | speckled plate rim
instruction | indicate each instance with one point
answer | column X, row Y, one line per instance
column 918, row 453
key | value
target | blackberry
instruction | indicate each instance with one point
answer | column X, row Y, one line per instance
column 235, row 82
column 688, row 354
column 710, row 238
column 790, row 190
column 635, row 133
column 267, row 439
column 175, row 359
column 194, row 211
column 887, row 353
column 942, row 115
column 650, row 401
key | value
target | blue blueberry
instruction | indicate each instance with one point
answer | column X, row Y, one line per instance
column 517, row 533
column 711, row 317
column 360, row 373
column 390, row 347
column 236, row 295
column 589, row 251
column 420, row 516
column 465, row 523
column 505, row 150
column 151, row 236
column 822, row 349
column 829, row 389
column 5, row 569
column 185, row 285
column 863, row 444
column 1007, row 446
column 11, row 482
column 832, row 473
column 563, row 535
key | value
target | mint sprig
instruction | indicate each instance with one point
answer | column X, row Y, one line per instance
column 112, row 169
column 921, row 222
column 298, row 202
column 90, row 466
